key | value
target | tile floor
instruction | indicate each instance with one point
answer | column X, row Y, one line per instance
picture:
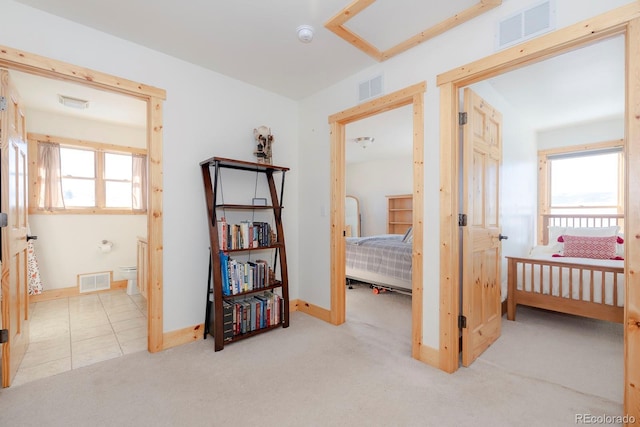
column 72, row 332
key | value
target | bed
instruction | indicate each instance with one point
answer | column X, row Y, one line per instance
column 383, row 261
column 552, row 278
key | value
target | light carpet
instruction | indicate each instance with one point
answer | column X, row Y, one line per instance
column 310, row 374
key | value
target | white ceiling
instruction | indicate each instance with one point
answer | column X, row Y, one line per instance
column 231, row 37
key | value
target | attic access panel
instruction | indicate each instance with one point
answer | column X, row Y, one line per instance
column 439, row 16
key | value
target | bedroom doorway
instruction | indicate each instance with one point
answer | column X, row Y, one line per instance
column 379, row 184
column 413, row 96
column 622, row 21
column 17, row 60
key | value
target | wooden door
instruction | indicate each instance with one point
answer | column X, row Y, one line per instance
column 481, row 253
column 13, row 201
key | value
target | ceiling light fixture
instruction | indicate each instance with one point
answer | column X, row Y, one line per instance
column 364, row 141
column 305, row 33
column 68, row 101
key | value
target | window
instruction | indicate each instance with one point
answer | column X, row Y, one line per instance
column 88, row 177
column 582, row 181
column 78, row 171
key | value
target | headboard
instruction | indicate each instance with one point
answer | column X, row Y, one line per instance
column 579, row 220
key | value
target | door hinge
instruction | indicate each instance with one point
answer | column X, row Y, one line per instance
column 3, row 103
column 4, row 336
column 462, row 220
column 462, row 322
column 462, row 118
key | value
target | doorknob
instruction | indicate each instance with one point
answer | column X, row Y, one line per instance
column 501, row 237
column 29, row 237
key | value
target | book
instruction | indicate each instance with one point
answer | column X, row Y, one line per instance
column 227, row 320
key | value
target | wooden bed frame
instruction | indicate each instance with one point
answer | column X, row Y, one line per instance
column 579, row 307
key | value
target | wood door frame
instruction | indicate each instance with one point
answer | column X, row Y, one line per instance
column 14, row 59
column 621, row 21
column 412, row 95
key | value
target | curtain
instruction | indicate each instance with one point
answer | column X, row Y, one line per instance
column 50, row 176
column 139, row 182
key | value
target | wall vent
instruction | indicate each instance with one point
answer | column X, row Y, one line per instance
column 371, row 88
column 526, row 24
column 92, row 282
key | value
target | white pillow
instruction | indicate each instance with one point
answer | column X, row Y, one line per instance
column 592, row 231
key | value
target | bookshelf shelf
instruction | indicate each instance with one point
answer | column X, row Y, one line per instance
column 399, row 213
column 244, row 298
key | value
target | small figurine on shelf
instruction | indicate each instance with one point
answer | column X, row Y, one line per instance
column 264, row 140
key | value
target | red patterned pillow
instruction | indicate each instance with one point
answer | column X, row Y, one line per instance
column 590, row 247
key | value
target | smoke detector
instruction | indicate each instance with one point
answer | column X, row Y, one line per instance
column 305, row 33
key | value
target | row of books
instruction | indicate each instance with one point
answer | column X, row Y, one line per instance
column 238, row 276
column 246, row 235
column 252, row 313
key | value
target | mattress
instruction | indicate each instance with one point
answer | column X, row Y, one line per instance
column 383, row 258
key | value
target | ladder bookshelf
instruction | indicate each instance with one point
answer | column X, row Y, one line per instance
column 258, row 302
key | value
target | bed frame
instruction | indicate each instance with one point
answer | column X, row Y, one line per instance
column 579, row 307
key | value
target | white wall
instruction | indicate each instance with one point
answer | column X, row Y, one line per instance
column 205, row 114
column 459, row 46
column 608, row 129
column 371, row 182
column 67, row 245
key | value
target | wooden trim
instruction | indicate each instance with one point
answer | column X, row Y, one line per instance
column 338, row 297
column 51, row 68
column 632, row 224
column 393, row 100
column 449, row 243
column 97, row 146
column 154, row 225
column 623, row 20
column 293, row 305
column 46, row 67
column 429, row 355
column 582, row 147
column 73, row 291
column 417, row 248
column 183, row 336
column 337, row 22
column 413, row 95
column 313, row 310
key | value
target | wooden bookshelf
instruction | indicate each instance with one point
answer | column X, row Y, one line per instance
column 399, row 213
column 259, row 304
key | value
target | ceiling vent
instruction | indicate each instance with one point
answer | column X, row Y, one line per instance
column 526, row 24
column 371, row 88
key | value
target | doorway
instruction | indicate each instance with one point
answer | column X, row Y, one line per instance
column 379, row 174
column 412, row 95
column 153, row 97
column 622, row 21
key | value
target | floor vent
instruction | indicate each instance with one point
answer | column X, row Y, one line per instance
column 526, row 24
column 94, row 281
column 371, row 88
